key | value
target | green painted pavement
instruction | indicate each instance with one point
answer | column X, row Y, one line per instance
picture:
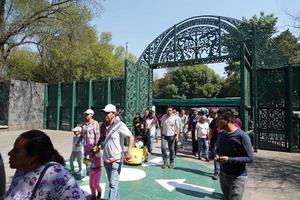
column 187, row 178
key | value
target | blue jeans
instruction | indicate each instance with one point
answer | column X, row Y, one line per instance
column 170, row 140
column 232, row 186
column 113, row 171
column 150, row 144
column 216, row 163
column 203, row 147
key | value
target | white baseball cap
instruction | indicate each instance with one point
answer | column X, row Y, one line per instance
column 77, row 129
column 89, row 111
column 110, row 108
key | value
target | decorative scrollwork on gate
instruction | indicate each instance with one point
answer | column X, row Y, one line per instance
column 193, row 41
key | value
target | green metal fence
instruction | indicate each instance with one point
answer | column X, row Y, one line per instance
column 278, row 98
column 66, row 102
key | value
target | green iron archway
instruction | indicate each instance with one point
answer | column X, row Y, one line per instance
column 270, row 92
column 268, row 100
column 197, row 40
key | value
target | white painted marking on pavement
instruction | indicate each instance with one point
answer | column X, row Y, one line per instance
column 171, row 184
column 154, row 161
column 131, row 174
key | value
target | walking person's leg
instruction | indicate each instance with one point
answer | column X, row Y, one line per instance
column 97, row 182
column 148, row 142
column 164, row 151
column 216, row 164
column 194, row 143
column 205, row 149
column 79, row 160
column 113, row 171
column 199, row 148
column 152, row 139
column 71, row 161
column 237, row 188
column 92, row 183
column 225, row 182
column 171, row 145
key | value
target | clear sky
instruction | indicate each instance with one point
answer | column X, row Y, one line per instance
column 139, row 22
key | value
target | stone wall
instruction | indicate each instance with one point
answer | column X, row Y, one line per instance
column 26, row 105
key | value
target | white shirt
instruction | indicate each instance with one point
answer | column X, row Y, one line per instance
column 113, row 148
column 202, row 129
column 170, row 125
column 151, row 126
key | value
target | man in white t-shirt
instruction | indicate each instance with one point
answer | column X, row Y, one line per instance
column 169, row 133
column 113, row 149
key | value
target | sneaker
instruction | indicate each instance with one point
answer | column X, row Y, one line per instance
column 164, row 166
column 99, row 195
column 215, row 177
column 93, row 197
column 206, row 159
column 171, row 166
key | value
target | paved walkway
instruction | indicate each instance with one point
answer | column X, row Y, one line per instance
column 273, row 175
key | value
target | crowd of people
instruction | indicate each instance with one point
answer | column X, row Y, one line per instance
column 215, row 134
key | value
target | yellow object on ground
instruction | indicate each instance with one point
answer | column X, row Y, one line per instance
column 139, row 156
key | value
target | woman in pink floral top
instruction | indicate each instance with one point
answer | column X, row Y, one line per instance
column 90, row 131
column 39, row 170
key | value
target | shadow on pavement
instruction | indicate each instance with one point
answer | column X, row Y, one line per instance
column 214, row 195
column 194, row 171
column 277, row 170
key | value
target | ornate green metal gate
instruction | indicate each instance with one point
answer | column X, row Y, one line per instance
column 138, row 89
column 278, row 97
column 202, row 40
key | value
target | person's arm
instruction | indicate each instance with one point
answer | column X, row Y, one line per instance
column 247, row 148
column 246, row 145
column 177, row 128
column 130, row 145
column 196, row 131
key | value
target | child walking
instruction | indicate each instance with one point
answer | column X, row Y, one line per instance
column 95, row 174
column 76, row 150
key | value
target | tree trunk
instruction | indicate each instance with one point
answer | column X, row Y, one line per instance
column 3, row 66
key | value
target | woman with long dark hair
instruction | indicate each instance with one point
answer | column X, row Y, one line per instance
column 40, row 172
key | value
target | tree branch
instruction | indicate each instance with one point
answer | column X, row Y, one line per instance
column 41, row 14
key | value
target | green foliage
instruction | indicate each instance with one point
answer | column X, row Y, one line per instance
column 290, row 46
column 265, row 25
column 188, row 82
column 23, row 64
column 74, row 53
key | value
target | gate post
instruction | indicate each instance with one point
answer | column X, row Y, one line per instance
column 255, row 105
column 243, row 86
column 46, row 103
column 73, row 104
column 289, row 108
column 58, row 105
column 108, row 91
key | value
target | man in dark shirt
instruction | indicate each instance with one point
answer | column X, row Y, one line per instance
column 234, row 151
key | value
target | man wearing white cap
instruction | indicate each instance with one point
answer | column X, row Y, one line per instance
column 90, row 131
column 113, row 149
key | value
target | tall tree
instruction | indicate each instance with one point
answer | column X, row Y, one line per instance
column 24, row 21
column 189, row 82
column 290, row 46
